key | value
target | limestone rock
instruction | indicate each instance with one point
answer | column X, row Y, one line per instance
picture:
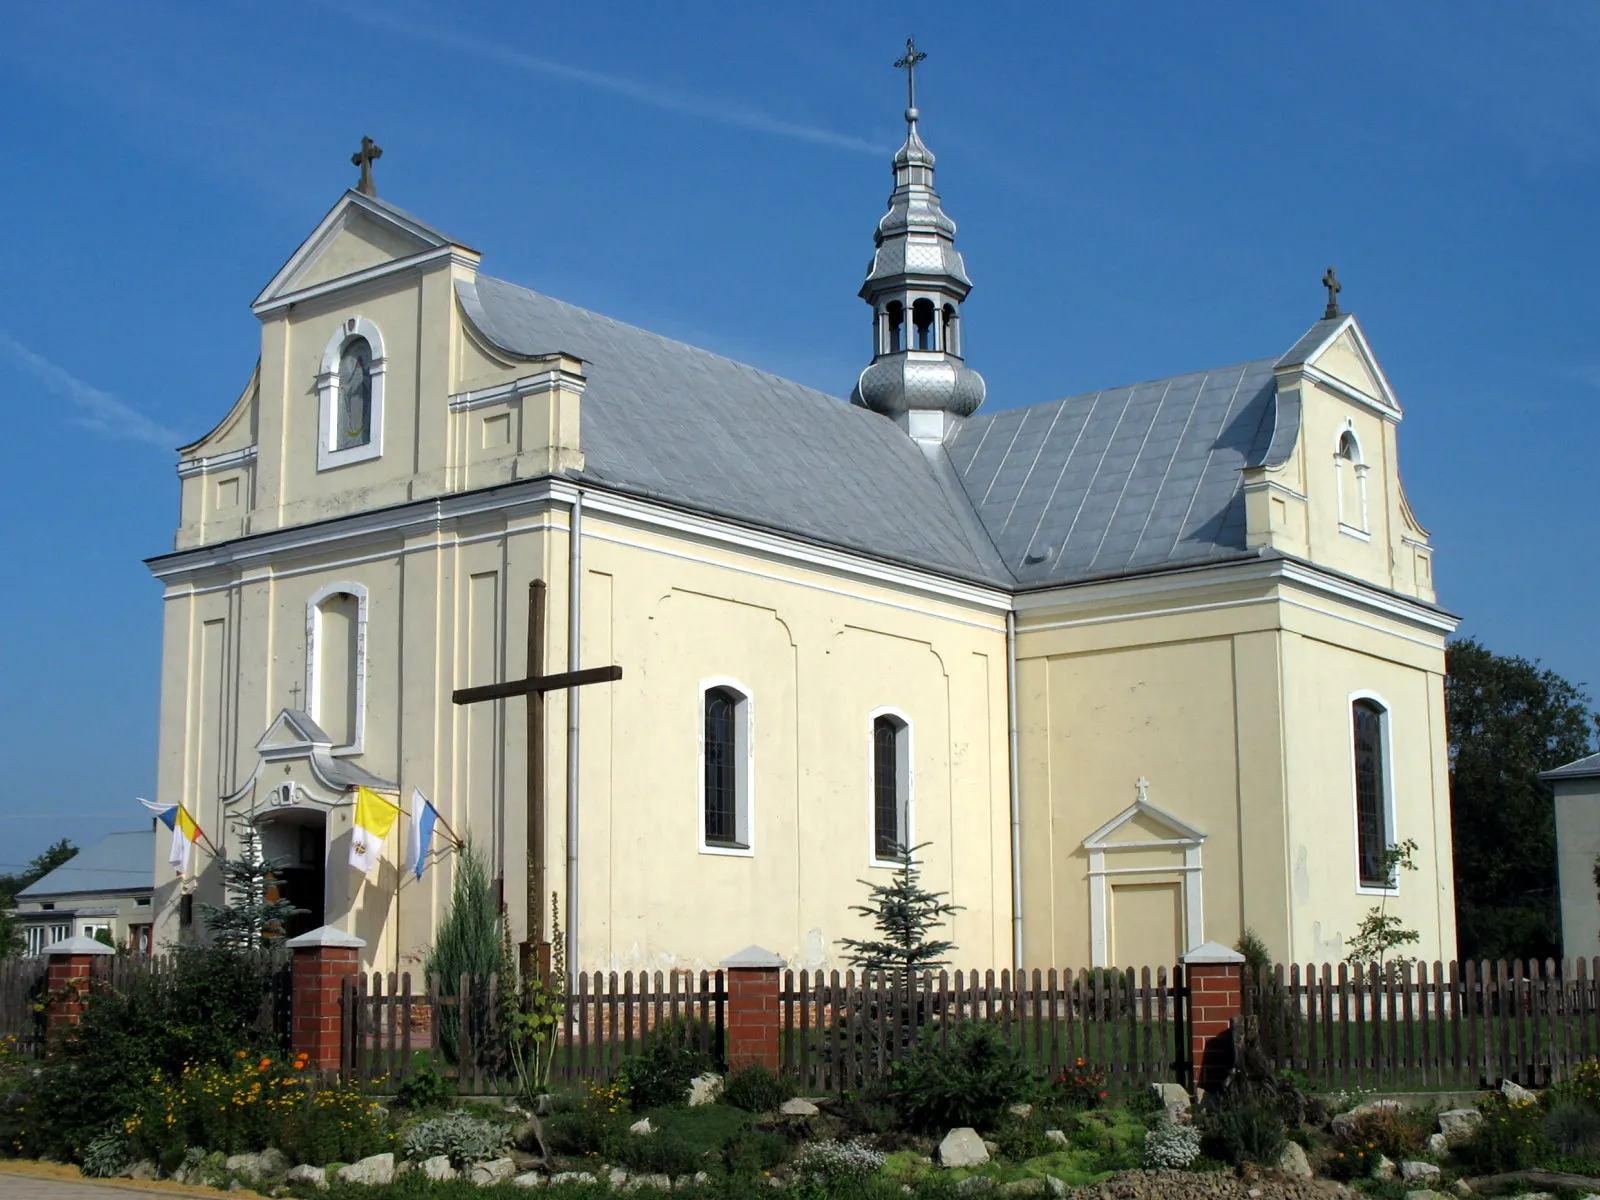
column 642, row 1127
column 1438, row 1144
column 798, row 1108
column 528, row 1179
column 438, row 1167
column 1462, row 1187
column 1021, row 1111
column 700, row 1178
column 573, row 1177
column 1172, row 1096
column 973, row 1184
column 661, row 1183
column 257, row 1166
column 309, row 1176
column 1344, row 1123
column 1457, row 1124
column 616, row 1177
column 143, row 1169
column 496, row 1170
column 963, row 1148
column 1023, row 1187
column 1415, row 1172
column 1423, row 1194
column 1057, row 1187
column 1515, row 1093
column 1293, row 1161
column 1385, row 1168
column 374, row 1170
column 1057, row 1136
column 704, row 1089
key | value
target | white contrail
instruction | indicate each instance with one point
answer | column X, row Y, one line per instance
column 97, row 410
column 726, row 114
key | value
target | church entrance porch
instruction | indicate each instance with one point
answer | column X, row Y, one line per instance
column 298, row 837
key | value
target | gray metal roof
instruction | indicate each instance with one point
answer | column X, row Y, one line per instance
column 118, row 862
column 674, row 422
column 1583, row 768
column 1120, row 480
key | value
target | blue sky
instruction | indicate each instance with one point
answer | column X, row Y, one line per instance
column 1142, row 189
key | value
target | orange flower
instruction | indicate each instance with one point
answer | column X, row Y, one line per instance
column 264, row 1064
column 300, row 1065
column 242, row 1054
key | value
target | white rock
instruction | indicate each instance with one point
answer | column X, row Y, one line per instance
column 700, row 1178
column 1438, row 1144
column 1457, row 1124
column 1023, row 1187
column 1385, row 1168
column 528, row 1179
column 1422, row 1194
column 682, row 1181
column 1293, row 1161
column 1344, row 1123
column 1058, row 1187
column 704, row 1089
column 642, row 1127
column 616, row 1177
column 973, row 1184
column 375, row 1169
column 573, row 1177
column 309, row 1176
column 144, row 1169
column 1172, row 1096
column 662, row 1183
column 798, row 1108
column 1515, row 1093
column 257, row 1166
column 963, row 1148
column 1057, row 1136
column 1462, row 1188
column 1414, row 1171
column 496, row 1170
column 439, row 1167
column 1021, row 1111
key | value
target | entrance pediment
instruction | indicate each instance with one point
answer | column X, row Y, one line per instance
column 303, row 769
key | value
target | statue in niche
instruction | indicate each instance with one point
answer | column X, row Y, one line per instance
column 355, row 395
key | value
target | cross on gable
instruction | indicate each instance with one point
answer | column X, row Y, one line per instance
column 369, row 153
column 1331, row 282
column 1142, row 787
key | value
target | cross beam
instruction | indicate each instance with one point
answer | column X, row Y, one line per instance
column 536, row 949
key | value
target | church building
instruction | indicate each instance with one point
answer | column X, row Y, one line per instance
column 1140, row 667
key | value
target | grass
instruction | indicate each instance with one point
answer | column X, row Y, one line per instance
column 704, row 1127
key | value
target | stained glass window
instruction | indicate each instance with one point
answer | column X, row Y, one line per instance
column 1372, row 824
column 888, row 812
column 722, row 767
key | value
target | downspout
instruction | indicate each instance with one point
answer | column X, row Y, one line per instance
column 574, row 632
column 1016, row 791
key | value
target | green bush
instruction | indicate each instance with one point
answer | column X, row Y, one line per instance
column 461, row 1138
column 424, row 1089
column 755, row 1089
column 1022, row 1138
column 659, row 1078
column 751, row 1151
column 106, row 1155
column 870, row 1110
column 970, row 1080
column 467, row 942
column 1574, row 1127
column 659, row 1153
column 582, row 1130
column 1397, row 1133
column 1245, row 1130
column 1511, row 1137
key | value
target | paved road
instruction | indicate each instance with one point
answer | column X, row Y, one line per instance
column 17, row 1186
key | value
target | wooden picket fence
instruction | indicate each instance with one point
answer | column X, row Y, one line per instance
column 22, row 988
column 392, row 1031
column 1428, row 1026
column 1127, row 1026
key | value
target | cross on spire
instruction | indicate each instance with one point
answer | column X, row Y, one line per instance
column 369, row 153
column 1142, row 787
column 908, row 64
column 1331, row 282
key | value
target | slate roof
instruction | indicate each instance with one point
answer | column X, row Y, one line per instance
column 118, row 862
column 1583, row 768
column 1105, row 483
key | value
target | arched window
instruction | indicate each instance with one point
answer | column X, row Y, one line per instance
column 725, row 770
column 891, row 788
column 1374, row 825
column 1352, row 473
column 922, row 317
column 350, row 395
column 952, row 331
column 336, row 618
column 354, row 426
column 897, row 327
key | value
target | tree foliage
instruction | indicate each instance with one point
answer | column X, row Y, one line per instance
column 468, row 941
column 255, row 914
column 11, row 943
column 1509, row 719
column 905, row 914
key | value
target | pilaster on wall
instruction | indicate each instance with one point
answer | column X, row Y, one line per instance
column 754, row 1018
column 70, row 965
column 323, row 960
column 1215, row 998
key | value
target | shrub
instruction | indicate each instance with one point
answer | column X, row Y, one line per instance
column 661, row 1153
column 1245, row 1131
column 659, row 1078
column 1080, row 1086
column 106, row 1155
column 755, row 1089
column 1583, row 1085
column 751, row 1151
column 970, row 1080
column 1574, row 1127
column 1353, row 1160
column 1171, row 1145
column 1023, row 1138
column 837, row 1162
column 1398, row 1133
column 461, row 1138
column 424, row 1089
column 467, row 942
column 1511, row 1137
column 333, row 1124
column 580, row 1131
column 868, row 1111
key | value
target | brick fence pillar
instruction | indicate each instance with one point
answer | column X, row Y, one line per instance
column 69, row 965
column 1215, row 976
column 323, row 960
column 755, row 1016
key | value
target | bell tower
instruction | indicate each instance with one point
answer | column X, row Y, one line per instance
column 916, row 284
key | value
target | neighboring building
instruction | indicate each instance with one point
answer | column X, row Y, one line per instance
column 1577, row 789
column 105, row 888
column 839, row 624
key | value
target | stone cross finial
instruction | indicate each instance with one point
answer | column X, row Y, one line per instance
column 908, row 64
column 1142, row 786
column 1331, row 282
column 369, row 153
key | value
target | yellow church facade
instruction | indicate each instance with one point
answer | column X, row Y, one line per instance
column 1140, row 667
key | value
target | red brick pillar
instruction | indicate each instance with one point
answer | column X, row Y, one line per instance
column 69, row 965
column 1215, row 976
column 754, row 1015
column 323, row 960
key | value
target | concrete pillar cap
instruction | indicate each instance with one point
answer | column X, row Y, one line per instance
column 1211, row 953
column 753, row 957
column 76, row 945
column 326, row 937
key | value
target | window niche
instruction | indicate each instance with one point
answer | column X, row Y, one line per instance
column 725, row 768
column 1374, row 809
column 891, row 788
column 922, row 318
column 336, row 625
column 1352, row 484
column 350, row 392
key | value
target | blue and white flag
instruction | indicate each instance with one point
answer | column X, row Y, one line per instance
column 424, row 816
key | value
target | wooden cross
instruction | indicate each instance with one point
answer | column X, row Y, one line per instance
column 1331, row 282
column 536, row 948
column 908, row 64
column 369, row 153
